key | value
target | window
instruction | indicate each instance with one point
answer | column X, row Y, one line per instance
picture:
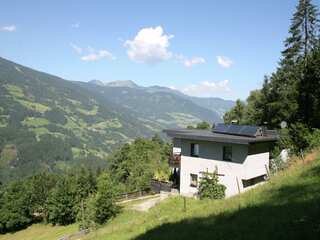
column 193, row 180
column 250, row 182
column 194, row 150
column 227, row 153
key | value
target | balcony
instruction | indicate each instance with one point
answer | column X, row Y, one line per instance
column 175, row 160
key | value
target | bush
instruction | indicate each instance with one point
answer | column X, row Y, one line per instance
column 14, row 208
column 62, row 203
column 276, row 162
column 104, row 203
column 209, row 186
column 86, row 216
column 299, row 138
column 299, row 135
column 314, row 139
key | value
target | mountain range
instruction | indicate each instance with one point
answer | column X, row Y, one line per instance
column 47, row 122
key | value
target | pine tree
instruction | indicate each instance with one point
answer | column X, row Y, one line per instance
column 237, row 113
column 303, row 31
column 309, row 91
column 39, row 187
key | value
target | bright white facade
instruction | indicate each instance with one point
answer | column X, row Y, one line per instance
column 249, row 164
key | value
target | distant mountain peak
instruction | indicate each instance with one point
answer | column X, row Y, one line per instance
column 122, row 83
column 97, row 82
column 117, row 83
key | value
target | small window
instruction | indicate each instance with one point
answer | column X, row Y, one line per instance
column 250, row 182
column 194, row 150
column 193, row 180
column 227, row 153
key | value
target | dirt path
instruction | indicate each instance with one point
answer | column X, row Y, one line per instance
column 149, row 203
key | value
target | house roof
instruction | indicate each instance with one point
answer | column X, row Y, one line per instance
column 208, row 135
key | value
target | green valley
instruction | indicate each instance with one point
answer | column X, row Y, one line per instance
column 78, row 123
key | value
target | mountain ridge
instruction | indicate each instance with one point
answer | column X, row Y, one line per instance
column 47, row 122
column 217, row 104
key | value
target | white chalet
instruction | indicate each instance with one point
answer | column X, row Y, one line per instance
column 239, row 152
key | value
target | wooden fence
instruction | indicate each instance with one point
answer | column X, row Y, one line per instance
column 155, row 187
column 133, row 195
column 158, row 186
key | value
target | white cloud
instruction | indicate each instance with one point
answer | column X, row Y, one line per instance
column 193, row 61
column 90, row 54
column 76, row 48
column 75, row 25
column 150, row 45
column 97, row 55
column 207, row 88
column 224, row 61
column 10, row 28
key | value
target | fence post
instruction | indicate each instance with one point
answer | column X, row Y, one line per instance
column 267, row 170
column 239, row 191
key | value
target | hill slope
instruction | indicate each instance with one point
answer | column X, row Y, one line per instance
column 156, row 109
column 287, row 207
column 47, row 122
column 218, row 105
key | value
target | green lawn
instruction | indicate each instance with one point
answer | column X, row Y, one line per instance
column 41, row 232
column 287, row 207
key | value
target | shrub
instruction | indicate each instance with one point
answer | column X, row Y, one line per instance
column 209, row 186
column 86, row 216
column 104, row 203
column 299, row 135
column 299, row 138
column 314, row 139
column 62, row 203
column 14, row 208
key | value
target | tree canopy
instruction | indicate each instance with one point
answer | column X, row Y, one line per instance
column 291, row 93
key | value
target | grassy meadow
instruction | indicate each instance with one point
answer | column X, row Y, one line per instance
column 287, row 207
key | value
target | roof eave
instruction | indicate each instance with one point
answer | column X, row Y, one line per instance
column 201, row 138
column 172, row 134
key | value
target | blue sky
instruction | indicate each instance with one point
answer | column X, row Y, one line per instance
column 203, row 48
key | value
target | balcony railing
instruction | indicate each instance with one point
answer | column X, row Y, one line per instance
column 175, row 160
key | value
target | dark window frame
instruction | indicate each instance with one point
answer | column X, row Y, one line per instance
column 227, row 153
column 193, row 182
column 192, row 150
column 253, row 181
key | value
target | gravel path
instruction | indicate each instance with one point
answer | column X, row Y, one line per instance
column 149, row 203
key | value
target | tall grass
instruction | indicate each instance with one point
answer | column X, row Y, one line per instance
column 287, row 207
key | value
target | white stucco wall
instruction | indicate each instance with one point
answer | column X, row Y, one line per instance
column 248, row 162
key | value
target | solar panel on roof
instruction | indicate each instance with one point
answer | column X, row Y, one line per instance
column 243, row 130
column 220, row 128
column 249, row 130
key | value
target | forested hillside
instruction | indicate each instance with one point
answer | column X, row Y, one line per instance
column 155, row 109
column 290, row 96
column 49, row 123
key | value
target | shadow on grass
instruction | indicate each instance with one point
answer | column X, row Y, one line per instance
column 290, row 212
